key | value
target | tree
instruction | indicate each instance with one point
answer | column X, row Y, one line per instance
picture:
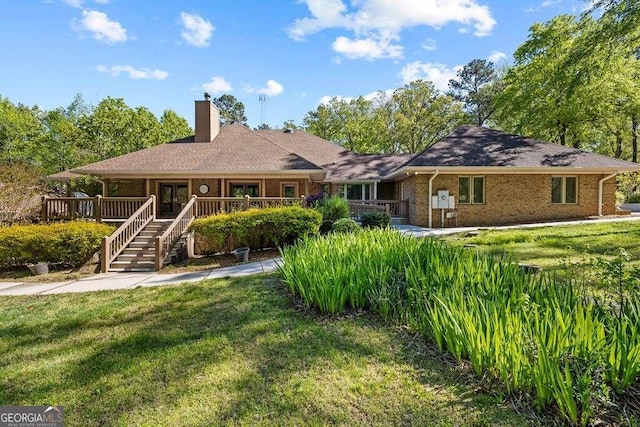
column 173, row 126
column 231, row 110
column 476, row 86
column 421, row 115
column 542, row 97
column 290, row 124
column 19, row 127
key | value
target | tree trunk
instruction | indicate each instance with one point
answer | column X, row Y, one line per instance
column 563, row 133
column 634, row 138
column 618, row 152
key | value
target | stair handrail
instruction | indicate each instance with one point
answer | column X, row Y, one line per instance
column 173, row 233
column 115, row 243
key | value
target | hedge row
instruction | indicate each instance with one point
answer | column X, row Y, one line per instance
column 71, row 243
column 255, row 228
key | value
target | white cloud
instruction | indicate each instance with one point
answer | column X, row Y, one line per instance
column 439, row 74
column 216, row 85
column 367, row 48
column 377, row 16
column 80, row 3
column 134, row 73
column 273, row 88
column 74, row 3
column 102, row 28
column 197, row 31
column 429, row 44
column 496, row 56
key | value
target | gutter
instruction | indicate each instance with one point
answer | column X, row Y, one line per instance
column 430, row 198
column 601, row 190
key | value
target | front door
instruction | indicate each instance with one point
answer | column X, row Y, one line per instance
column 173, row 197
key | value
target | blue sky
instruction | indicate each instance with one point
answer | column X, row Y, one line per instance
column 165, row 54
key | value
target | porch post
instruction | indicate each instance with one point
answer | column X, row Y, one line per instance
column 375, row 190
column 98, row 208
column 306, row 186
column 222, row 187
column 263, row 188
column 190, row 187
column 147, row 187
column 105, row 187
column 43, row 214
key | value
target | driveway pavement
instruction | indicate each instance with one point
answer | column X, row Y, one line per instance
column 114, row 281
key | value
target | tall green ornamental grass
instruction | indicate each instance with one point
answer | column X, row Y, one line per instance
column 532, row 332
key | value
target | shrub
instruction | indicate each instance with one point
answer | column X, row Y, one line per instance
column 375, row 220
column 633, row 198
column 345, row 225
column 70, row 243
column 333, row 208
column 256, row 228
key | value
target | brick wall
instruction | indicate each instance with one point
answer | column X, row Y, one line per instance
column 129, row 188
column 214, row 187
column 509, row 199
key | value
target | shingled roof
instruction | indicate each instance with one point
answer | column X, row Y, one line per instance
column 475, row 146
column 236, row 149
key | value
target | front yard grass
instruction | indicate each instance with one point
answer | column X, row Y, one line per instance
column 550, row 246
column 226, row 352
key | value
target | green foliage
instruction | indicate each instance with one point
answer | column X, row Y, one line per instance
column 411, row 119
column 476, row 85
column 70, row 243
column 345, row 225
column 633, row 198
column 534, row 333
column 63, row 138
column 375, row 220
column 332, row 209
column 231, row 110
column 256, row 228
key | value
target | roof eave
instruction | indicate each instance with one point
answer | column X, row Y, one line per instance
column 513, row 170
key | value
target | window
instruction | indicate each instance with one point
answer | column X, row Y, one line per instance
column 471, row 190
column 240, row 189
column 564, row 189
column 356, row 191
column 289, row 189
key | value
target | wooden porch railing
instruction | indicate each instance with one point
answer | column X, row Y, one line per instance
column 171, row 236
column 120, row 207
column 397, row 208
column 357, row 209
column 98, row 208
column 70, row 208
column 115, row 243
column 207, row 206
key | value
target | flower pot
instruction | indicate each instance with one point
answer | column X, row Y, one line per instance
column 242, row 254
column 39, row 268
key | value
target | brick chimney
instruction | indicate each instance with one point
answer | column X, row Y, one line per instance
column 207, row 120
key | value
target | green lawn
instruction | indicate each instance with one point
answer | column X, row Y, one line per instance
column 548, row 246
column 227, row 352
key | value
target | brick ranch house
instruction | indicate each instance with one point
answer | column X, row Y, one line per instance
column 472, row 177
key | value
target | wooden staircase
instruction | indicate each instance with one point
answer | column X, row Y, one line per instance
column 140, row 254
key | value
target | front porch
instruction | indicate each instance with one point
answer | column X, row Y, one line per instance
column 145, row 240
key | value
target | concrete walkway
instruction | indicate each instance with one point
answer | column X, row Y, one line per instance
column 130, row 280
column 114, row 281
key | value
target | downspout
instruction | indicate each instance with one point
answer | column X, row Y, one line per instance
column 430, row 201
column 601, row 190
